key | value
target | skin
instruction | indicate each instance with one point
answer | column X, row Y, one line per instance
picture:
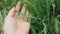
column 14, row 24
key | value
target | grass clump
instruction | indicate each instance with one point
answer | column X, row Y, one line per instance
column 45, row 17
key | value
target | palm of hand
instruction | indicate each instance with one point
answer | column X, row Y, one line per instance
column 14, row 24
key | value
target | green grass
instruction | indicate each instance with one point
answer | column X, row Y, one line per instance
column 45, row 17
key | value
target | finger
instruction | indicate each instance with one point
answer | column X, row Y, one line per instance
column 18, row 6
column 29, row 18
column 12, row 12
column 27, row 14
column 23, row 11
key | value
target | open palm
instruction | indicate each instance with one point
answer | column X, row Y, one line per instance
column 14, row 24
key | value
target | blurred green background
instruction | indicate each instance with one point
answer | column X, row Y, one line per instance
column 45, row 17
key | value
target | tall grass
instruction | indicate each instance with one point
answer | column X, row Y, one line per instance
column 45, row 17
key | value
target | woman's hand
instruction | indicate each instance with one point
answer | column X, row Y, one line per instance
column 14, row 24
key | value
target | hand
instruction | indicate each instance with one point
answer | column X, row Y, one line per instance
column 14, row 24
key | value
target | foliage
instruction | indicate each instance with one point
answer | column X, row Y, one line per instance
column 45, row 17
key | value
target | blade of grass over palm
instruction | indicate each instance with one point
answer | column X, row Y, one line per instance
column 32, row 7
